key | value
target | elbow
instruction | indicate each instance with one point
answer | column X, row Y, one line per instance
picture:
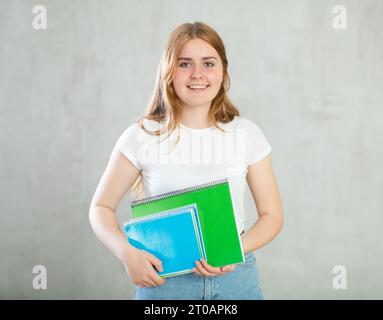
column 276, row 218
column 280, row 222
column 91, row 215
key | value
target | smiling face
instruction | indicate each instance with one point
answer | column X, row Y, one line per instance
column 199, row 74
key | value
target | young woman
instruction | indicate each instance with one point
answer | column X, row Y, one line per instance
column 191, row 134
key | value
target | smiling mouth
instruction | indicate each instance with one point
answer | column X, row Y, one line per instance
column 198, row 88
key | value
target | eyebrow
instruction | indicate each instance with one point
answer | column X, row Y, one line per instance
column 204, row 58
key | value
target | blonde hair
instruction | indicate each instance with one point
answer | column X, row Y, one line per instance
column 165, row 106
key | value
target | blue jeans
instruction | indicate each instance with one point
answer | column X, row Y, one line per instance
column 240, row 284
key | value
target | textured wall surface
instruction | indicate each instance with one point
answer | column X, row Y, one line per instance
column 68, row 92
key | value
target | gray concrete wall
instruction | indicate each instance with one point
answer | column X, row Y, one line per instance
column 68, row 92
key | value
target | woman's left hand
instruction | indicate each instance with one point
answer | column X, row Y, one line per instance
column 204, row 269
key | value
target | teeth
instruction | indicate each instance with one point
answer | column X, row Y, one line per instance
column 197, row 87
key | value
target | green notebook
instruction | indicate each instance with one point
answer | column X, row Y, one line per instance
column 216, row 214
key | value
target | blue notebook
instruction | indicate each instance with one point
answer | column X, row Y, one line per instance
column 173, row 236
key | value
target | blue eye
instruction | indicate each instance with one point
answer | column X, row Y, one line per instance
column 187, row 64
column 182, row 65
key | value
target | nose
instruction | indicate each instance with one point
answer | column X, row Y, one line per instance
column 197, row 72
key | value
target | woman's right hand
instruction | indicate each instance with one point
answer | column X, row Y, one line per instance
column 139, row 264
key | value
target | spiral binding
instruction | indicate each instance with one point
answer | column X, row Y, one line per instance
column 178, row 192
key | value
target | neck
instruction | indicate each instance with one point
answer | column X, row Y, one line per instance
column 195, row 117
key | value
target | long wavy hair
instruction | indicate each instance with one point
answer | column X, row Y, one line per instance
column 165, row 106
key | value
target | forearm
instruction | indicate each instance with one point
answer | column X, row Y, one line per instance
column 107, row 230
column 261, row 232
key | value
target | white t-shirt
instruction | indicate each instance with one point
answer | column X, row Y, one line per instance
column 201, row 156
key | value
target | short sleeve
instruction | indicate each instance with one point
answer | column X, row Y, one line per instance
column 258, row 147
column 127, row 144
